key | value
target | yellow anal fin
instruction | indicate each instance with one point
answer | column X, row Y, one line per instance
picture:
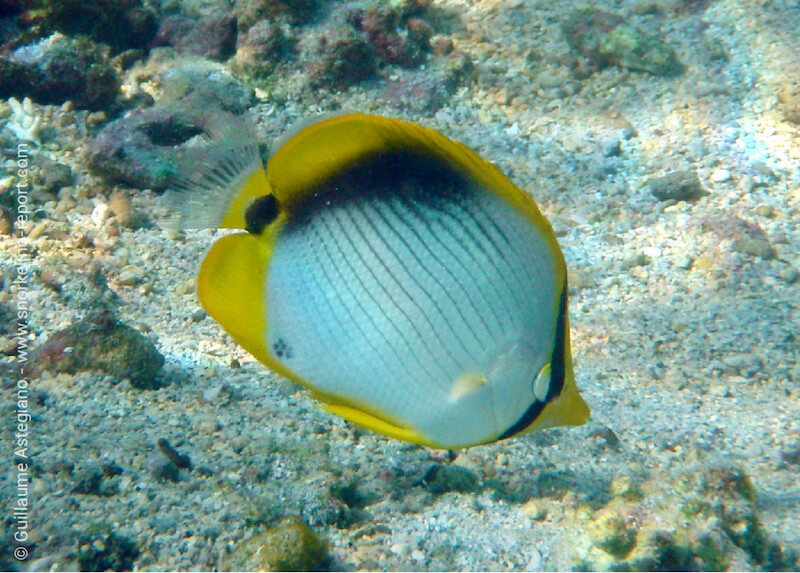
column 379, row 425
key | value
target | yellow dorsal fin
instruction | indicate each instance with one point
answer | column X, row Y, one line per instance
column 322, row 149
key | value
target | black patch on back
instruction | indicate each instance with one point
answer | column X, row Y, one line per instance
column 423, row 179
column 260, row 213
column 557, row 373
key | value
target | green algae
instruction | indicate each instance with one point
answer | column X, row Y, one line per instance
column 707, row 522
column 607, row 39
column 289, row 545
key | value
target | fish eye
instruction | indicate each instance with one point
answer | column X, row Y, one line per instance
column 261, row 212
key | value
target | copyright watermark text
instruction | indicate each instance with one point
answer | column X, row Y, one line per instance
column 20, row 507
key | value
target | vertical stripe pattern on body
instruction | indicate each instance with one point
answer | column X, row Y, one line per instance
column 396, row 280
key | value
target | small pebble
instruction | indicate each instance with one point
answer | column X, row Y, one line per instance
column 208, row 425
column 442, row 45
column 720, row 390
column 720, row 176
column 612, row 148
column 789, row 275
column 38, row 231
column 683, row 261
column 761, row 168
column 444, row 478
column 748, row 184
column 181, row 461
column 697, row 149
column 186, row 287
column 607, row 436
column 637, row 260
column 96, row 118
column 6, row 224
column 676, row 186
column 210, row 395
column 400, row 549
column 765, row 211
column 88, row 480
column 120, row 205
column 535, row 510
column 100, row 214
column 791, row 453
column 130, row 275
column 164, row 470
column 534, row 562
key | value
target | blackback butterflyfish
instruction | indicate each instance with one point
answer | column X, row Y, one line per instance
column 403, row 279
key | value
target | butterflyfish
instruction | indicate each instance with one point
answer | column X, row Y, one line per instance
column 404, row 280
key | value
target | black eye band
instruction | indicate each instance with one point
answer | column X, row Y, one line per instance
column 260, row 213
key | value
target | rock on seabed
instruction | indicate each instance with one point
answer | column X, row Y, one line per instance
column 607, row 39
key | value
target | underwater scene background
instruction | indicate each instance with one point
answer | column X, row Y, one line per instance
column 661, row 138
